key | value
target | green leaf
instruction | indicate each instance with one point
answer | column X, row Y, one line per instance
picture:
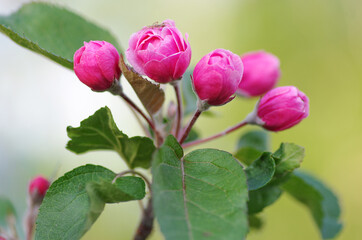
column 6, row 210
column 321, row 201
column 52, row 31
column 75, row 201
column 99, row 132
column 255, row 222
column 172, row 142
column 251, row 146
column 123, row 189
column 260, row 172
column 200, row 196
column 263, row 197
column 287, row 158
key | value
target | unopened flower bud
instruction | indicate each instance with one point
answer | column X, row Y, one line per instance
column 281, row 108
column 38, row 187
column 2, row 238
column 96, row 65
column 160, row 52
column 261, row 73
column 217, row 76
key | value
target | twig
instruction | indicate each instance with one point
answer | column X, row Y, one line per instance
column 146, row 225
column 189, row 126
column 179, row 108
column 223, row 133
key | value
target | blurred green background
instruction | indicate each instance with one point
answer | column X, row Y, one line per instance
column 319, row 43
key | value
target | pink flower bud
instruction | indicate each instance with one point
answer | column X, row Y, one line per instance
column 217, row 76
column 96, row 65
column 38, row 186
column 261, row 73
column 160, row 52
column 282, row 108
column 2, row 238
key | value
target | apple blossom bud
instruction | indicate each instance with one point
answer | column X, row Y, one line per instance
column 2, row 238
column 96, row 65
column 280, row 108
column 261, row 73
column 160, row 52
column 217, row 76
column 38, row 187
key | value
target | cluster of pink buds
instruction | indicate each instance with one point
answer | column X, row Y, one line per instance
column 162, row 53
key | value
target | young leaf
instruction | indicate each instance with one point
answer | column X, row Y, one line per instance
column 260, row 172
column 6, row 210
column 287, row 158
column 255, row 222
column 150, row 95
column 75, row 201
column 52, row 31
column 263, row 197
column 321, row 201
column 137, row 151
column 251, row 145
column 199, row 196
column 99, row 132
column 123, row 189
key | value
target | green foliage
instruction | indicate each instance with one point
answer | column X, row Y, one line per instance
column 75, row 201
column 260, row 172
column 288, row 157
column 320, row 200
column 255, row 222
column 52, row 31
column 199, row 196
column 6, row 210
column 99, row 132
column 251, row 146
column 263, row 197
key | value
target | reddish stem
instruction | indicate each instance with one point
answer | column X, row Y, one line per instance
column 137, row 109
column 146, row 225
column 223, row 133
column 179, row 109
column 189, row 126
column 148, row 120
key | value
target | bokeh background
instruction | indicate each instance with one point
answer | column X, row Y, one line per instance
column 319, row 43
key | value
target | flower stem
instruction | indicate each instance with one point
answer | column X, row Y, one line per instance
column 159, row 139
column 189, row 126
column 137, row 109
column 146, row 225
column 179, row 108
column 223, row 133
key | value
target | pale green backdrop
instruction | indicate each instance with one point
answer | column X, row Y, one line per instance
column 319, row 43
